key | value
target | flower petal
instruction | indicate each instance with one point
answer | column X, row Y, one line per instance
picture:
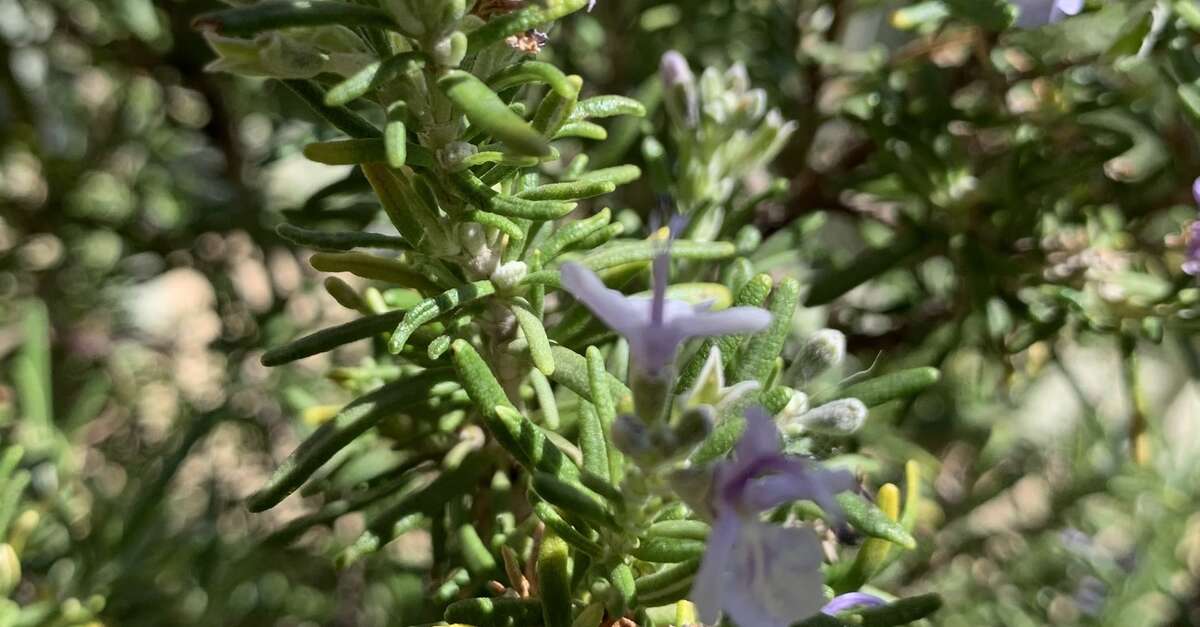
column 760, row 439
column 710, row 580
column 851, row 600
column 727, row 322
column 799, row 481
column 621, row 313
column 773, row 577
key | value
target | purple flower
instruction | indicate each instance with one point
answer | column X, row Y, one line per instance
column 1034, row 13
column 849, row 601
column 763, row 575
column 656, row 327
column 1192, row 264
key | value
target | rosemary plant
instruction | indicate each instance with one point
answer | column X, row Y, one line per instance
column 622, row 473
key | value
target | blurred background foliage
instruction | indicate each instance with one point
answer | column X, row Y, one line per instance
column 1008, row 205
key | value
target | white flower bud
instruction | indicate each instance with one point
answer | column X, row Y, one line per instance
column 841, row 417
column 507, row 276
column 823, row 350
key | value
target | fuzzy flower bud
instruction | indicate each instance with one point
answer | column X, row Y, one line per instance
column 823, row 350
column 841, row 417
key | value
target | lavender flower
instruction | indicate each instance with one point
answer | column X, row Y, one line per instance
column 1034, row 13
column 1192, row 264
column 656, row 327
column 849, row 601
column 763, row 575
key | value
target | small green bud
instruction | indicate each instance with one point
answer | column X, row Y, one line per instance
column 841, row 417
column 450, row 50
column 693, row 426
column 632, row 437
column 10, row 569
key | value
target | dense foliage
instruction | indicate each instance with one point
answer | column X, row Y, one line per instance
column 758, row 313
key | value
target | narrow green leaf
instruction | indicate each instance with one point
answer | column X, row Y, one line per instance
column 623, row 594
column 476, row 556
column 569, row 190
column 352, row 421
column 554, row 581
column 607, row 107
column 668, row 550
column 395, row 141
column 583, row 130
column 487, row 111
column 365, row 150
column 592, row 443
column 556, row 523
column 341, row 118
column 374, row 76
column 680, row 529
column 570, row 370
column 498, row 222
column 556, row 108
column 571, row 497
column 535, row 334
column 338, row 240
column 485, row 197
column 872, row 521
column 617, row 175
column 277, row 14
column 622, row 253
column 606, row 412
column 326, row 340
column 516, row 433
column 431, row 309
column 667, row 580
column 756, row 358
column 571, row 233
column 545, row 397
column 532, row 72
column 375, row 268
column 882, row 389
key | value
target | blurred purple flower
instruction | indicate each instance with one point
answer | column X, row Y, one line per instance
column 851, row 600
column 1034, row 13
column 1192, row 264
column 656, row 327
column 763, row 575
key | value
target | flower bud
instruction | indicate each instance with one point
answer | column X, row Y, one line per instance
column 841, row 417
column 10, row 569
column 632, row 437
column 679, row 87
column 693, row 426
column 509, row 275
column 823, row 350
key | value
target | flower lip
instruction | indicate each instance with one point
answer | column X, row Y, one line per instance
column 849, row 601
column 656, row 327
